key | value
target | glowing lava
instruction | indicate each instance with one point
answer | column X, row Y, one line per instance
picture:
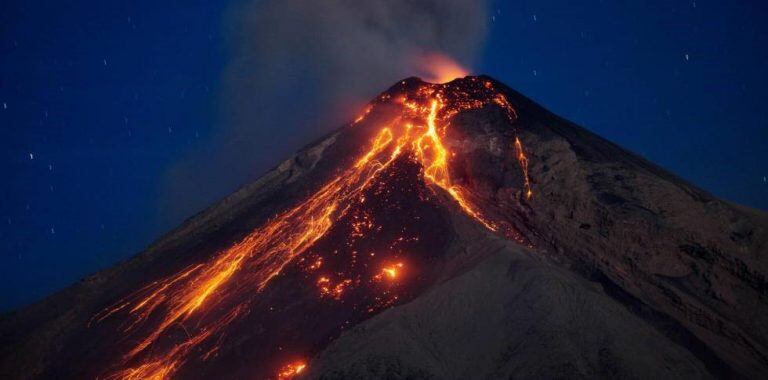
column 187, row 298
column 438, row 68
column 292, row 370
column 523, row 160
column 390, row 272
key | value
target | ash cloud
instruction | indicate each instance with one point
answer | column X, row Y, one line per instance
column 301, row 68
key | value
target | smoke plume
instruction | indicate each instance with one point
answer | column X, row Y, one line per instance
column 300, row 68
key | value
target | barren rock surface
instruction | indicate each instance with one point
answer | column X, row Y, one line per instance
column 511, row 316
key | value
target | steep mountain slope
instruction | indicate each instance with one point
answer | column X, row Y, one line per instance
column 511, row 316
column 451, row 231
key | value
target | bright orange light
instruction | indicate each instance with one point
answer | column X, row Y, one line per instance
column 523, row 160
column 417, row 133
column 362, row 116
column 289, row 371
column 392, row 271
column 438, row 68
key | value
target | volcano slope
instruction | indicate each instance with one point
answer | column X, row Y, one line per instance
column 452, row 231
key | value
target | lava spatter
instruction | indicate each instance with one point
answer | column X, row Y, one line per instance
column 366, row 263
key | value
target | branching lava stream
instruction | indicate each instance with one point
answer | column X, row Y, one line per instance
column 247, row 267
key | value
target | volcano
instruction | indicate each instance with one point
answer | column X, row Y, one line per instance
column 451, row 231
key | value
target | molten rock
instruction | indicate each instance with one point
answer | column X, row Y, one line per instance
column 453, row 230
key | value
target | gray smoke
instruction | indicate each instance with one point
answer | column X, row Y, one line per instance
column 300, row 68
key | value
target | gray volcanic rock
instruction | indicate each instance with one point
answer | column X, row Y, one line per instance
column 691, row 265
column 513, row 315
column 620, row 270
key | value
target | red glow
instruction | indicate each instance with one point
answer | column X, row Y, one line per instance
column 390, row 272
column 438, row 68
column 523, row 160
column 290, row 371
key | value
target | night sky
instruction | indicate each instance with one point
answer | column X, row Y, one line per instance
column 98, row 101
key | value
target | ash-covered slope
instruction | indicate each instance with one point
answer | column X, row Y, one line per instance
column 452, row 231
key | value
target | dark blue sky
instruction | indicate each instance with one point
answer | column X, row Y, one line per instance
column 98, row 101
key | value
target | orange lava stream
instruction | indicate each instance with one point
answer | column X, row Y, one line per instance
column 434, row 156
column 177, row 301
column 523, row 160
column 292, row 370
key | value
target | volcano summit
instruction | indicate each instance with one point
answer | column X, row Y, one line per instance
column 452, row 231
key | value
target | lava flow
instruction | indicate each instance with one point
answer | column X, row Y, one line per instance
column 292, row 370
column 205, row 298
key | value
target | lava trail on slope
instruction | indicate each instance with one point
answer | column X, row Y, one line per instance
column 365, row 240
column 412, row 243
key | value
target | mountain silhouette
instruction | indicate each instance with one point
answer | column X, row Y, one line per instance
column 451, row 231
